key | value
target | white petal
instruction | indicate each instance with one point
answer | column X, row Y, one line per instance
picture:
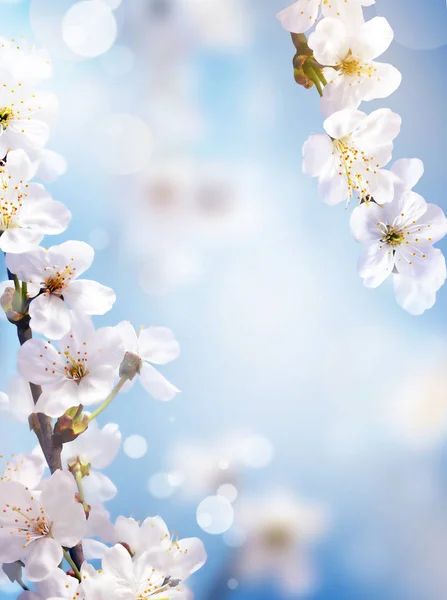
column 158, row 345
column 344, row 122
column 20, row 166
column 98, row 487
column 93, row 549
column 364, row 223
column 329, row 42
column 95, row 386
column 90, row 297
column 300, row 16
column 76, row 254
column 317, row 154
column 69, row 525
column 409, row 171
column 28, row 266
column 372, row 39
column 333, row 187
column 384, row 82
column 45, row 215
column 377, row 131
column 154, row 383
column 375, row 264
column 435, row 217
column 15, row 241
column 128, row 336
column 39, row 362
column 49, row 316
column 118, row 563
column 56, row 400
column 43, row 558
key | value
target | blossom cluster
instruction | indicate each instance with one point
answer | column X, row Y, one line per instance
column 48, row 518
column 395, row 225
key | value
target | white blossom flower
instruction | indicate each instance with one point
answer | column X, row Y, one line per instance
column 279, row 530
column 353, row 75
column 58, row 586
column 303, row 14
column 82, row 371
column 18, row 403
column 35, row 530
column 24, row 117
column 399, row 236
column 348, row 158
column 52, row 276
column 177, row 558
column 93, row 450
column 27, row 211
column 122, row 577
column 155, row 345
column 26, row 469
column 23, row 62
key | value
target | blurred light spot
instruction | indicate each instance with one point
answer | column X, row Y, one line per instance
column 46, row 22
column 135, row 446
column 160, row 486
column 89, row 28
column 227, row 491
column 124, row 144
column 119, row 61
column 419, row 24
column 112, row 4
column 99, row 238
column 215, row 515
column 232, row 584
column 175, row 478
column 256, row 452
column 171, row 419
column 234, row 537
column 223, row 464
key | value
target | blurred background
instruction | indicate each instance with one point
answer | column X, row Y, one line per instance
column 308, row 448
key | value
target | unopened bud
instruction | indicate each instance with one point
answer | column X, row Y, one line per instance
column 130, row 366
column 302, row 79
column 9, row 302
column 70, row 425
column 71, row 573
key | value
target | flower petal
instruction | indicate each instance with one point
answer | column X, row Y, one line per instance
column 50, row 316
column 330, row 42
column 299, row 16
column 154, row 383
column 90, row 297
column 42, row 559
column 158, row 345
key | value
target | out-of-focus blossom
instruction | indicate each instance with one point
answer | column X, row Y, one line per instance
column 354, row 75
column 18, row 403
column 26, row 469
column 349, row 158
column 280, row 531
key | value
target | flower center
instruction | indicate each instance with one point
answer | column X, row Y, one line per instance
column 354, row 67
column 6, row 115
column 58, row 282
column 392, row 236
column 355, row 165
column 277, row 537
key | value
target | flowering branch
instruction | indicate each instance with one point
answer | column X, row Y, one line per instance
column 395, row 226
column 65, row 364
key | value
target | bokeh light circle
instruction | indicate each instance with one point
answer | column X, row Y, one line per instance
column 417, row 24
column 215, row 515
column 227, row 491
column 160, row 486
column 235, row 537
column 135, row 446
column 89, row 28
column 256, row 452
column 123, row 144
column 232, row 583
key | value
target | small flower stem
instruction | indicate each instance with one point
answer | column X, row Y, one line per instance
column 78, row 477
column 72, row 564
column 314, row 76
column 22, row 585
column 17, row 284
column 109, row 398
